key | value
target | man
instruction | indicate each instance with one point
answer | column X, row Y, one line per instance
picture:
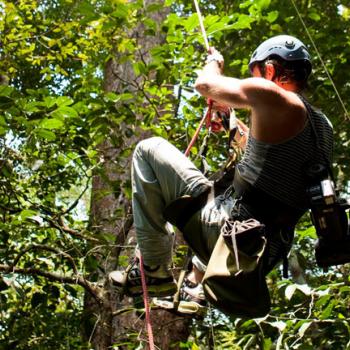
column 270, row 180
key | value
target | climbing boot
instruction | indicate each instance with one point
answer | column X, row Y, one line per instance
column 192, row 298
column 192, row 301
column 159, row 280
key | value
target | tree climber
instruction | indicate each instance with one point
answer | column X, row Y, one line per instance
column 270, row 182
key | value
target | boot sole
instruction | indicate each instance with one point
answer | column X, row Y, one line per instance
column 184, row 307
column 162, row 290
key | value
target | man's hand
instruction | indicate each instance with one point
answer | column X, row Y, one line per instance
column 215, row 56
column 241, row 135
column 219, row 118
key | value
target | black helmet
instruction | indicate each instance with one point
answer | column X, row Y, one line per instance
column 286, row 47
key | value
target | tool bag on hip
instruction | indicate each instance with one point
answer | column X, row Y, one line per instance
column 234, row 281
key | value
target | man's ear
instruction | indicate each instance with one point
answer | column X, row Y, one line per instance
column 270, row 71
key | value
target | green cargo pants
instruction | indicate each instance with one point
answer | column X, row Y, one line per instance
column 161, row 174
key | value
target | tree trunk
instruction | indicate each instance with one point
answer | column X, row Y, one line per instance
column 111, row 215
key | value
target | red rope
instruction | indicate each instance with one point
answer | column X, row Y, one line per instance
column 146, row 304
column 206, row 117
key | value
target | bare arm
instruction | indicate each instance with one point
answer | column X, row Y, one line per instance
column 248, row 93
column 277, row 113
column 238, row 93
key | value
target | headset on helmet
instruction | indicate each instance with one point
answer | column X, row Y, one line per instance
column 286, row 47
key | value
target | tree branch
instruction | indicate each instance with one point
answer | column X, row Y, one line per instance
column 66, row 229
column 75, row 203
column 122, row 234
column 49, row 249
column 55, row 277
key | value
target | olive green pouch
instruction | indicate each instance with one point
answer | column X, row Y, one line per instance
column 234, row 281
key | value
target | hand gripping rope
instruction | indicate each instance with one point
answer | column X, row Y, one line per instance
column 207, row 118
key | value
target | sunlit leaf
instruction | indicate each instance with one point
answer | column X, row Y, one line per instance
column 272, row 16
column 51, row 123
column 290, row 291
column 304, row 327
column 65, row 112
column 45, row 134
column 26, row 213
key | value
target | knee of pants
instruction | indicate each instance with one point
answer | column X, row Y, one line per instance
column 144, row 146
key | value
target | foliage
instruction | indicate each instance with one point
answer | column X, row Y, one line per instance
column 54, row 114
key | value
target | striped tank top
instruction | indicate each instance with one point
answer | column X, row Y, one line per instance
column 279, row 169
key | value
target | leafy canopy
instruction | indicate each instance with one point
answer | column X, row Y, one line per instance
column 55, row 112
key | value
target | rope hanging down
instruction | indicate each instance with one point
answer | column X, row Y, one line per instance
column 320, row 58
column 146, row 305
column 187, row 152
column 204, row 34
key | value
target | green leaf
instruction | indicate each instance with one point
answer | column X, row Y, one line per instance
column 314, row 16
column 139, row 68
column 51, row 123
column 272, row 16
column 65, row 112
column 290, row 291
column 344, row 289
column 218, row 27
column 328, row 310
column 267, row 345
column 262, row 4
column 49, row 101
column 243, row 22
column 32, row 107
column 6, row 90
column 45, row 134
column 303, row 328
column 87, row 9
column 26, row 213
column 323, row 300
column 121, row 11
column 112, row 97
column 3, row 121
column 64, row 101
column 191, row 22
column 126, row 97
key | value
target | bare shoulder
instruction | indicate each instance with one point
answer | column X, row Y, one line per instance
column 277, row 114
column 264, row 93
